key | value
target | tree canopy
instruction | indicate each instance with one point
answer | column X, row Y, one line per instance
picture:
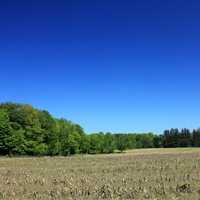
column 25, row 130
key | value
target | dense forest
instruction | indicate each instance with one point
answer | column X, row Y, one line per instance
column 25, row 130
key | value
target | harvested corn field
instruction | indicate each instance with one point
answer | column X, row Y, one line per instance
column 138, row 174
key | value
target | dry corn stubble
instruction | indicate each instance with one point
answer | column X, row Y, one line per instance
column 141, row 174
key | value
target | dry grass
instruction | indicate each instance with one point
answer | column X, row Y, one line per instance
column 138, row 174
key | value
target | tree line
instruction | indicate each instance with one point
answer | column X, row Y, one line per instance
column 25, row 130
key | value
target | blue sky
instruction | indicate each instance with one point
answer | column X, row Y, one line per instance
column 110, row 65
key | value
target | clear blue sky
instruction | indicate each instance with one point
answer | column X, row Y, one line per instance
column 110, row 65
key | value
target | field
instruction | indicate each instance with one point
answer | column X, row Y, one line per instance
column 139, row 174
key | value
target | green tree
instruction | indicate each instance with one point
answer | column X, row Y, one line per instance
column 11, row 140
column 109, row 144
column 96, row 143
column 5, row 132
column 84, row 144
column 196, row 138
column 158, row 141
column 122, row 142
column 50, row 132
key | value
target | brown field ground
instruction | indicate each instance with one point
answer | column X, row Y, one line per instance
column 155, row 174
